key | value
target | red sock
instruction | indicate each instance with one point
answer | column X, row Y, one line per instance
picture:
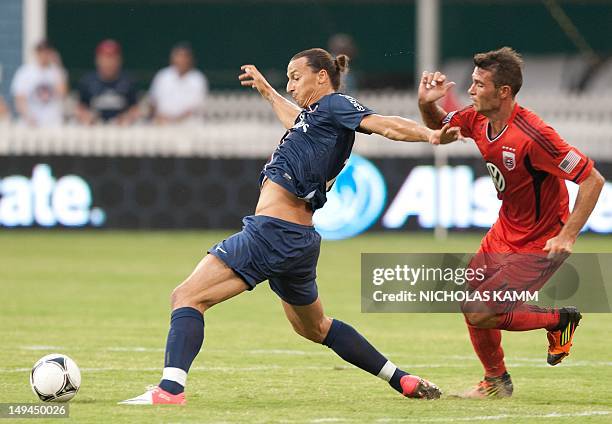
column 487, row 344
column 529, row 317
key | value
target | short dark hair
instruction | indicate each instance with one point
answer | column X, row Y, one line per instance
column 505, row 64
column 43, row 45
column 184, row 46
column 321, row 59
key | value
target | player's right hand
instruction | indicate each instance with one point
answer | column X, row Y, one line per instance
column 433, row 86
column 251, row 77
column 445, row 135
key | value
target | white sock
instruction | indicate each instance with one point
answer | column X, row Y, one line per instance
column 177, row 375
column 387, row 371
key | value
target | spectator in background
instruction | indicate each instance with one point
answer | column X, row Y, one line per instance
column 107, row 94
column 3, row 109
column 344, row 44
column 178, row 92
column 39, row 88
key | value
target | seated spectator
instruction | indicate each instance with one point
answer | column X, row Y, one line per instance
column 4, row 113
column 39, row 88
column 107, row 94
column 178, row 92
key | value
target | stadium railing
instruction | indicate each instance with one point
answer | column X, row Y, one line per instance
column 243, row 125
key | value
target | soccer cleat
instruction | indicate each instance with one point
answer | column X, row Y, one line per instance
column 419, row 388
column 491, row 387
column 156, row 396
column 560, row 341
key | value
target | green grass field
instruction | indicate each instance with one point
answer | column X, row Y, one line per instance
column 103, row 299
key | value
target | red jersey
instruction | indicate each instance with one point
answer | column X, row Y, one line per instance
column 528, row 162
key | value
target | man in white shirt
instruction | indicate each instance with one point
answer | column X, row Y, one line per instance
column 4, row 113
column 178, row 92
column 39, row 89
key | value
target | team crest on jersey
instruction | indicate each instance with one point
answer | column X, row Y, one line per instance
column 508, row 158
column 497, row 177
column 302, row 123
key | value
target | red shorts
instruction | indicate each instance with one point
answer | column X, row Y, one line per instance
column 506, row 274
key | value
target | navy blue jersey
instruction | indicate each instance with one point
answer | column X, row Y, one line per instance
column 313, row 152
column 107, row 98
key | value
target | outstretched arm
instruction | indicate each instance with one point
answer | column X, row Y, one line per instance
column 285, row 110
column 433, row 86
column 402, row 129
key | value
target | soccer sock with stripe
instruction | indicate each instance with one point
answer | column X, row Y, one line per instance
column 529, row 317
column 184, row 341
column 355, row 349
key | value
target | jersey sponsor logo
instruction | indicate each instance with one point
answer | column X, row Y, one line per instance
column 570, row 161
column 354, row 102
column 509, row 160
column 302, row 123
column 497, row 177
column 355, row 201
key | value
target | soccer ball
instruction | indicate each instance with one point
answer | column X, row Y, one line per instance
column 55, row 378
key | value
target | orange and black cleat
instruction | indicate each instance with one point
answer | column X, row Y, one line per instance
column 491, row 387
column 560, row 341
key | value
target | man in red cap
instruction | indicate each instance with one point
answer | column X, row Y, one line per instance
column 107, row 94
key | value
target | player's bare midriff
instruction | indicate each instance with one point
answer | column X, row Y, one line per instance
column 277, row 202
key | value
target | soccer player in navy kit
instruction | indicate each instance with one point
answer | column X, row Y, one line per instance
column 279, row 242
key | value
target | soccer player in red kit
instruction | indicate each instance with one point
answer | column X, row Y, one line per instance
column 528, row 162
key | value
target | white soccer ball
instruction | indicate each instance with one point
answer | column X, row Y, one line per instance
column 55, row 378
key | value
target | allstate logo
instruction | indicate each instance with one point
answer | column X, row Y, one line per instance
column 355, row 201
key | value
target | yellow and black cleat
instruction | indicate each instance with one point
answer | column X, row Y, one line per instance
column 560, row 341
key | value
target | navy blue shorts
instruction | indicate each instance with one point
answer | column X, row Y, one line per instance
column 272, row 249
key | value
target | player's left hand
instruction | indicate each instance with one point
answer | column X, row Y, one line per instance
column 559, row 247
column 251, row 77
column 445, row 135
